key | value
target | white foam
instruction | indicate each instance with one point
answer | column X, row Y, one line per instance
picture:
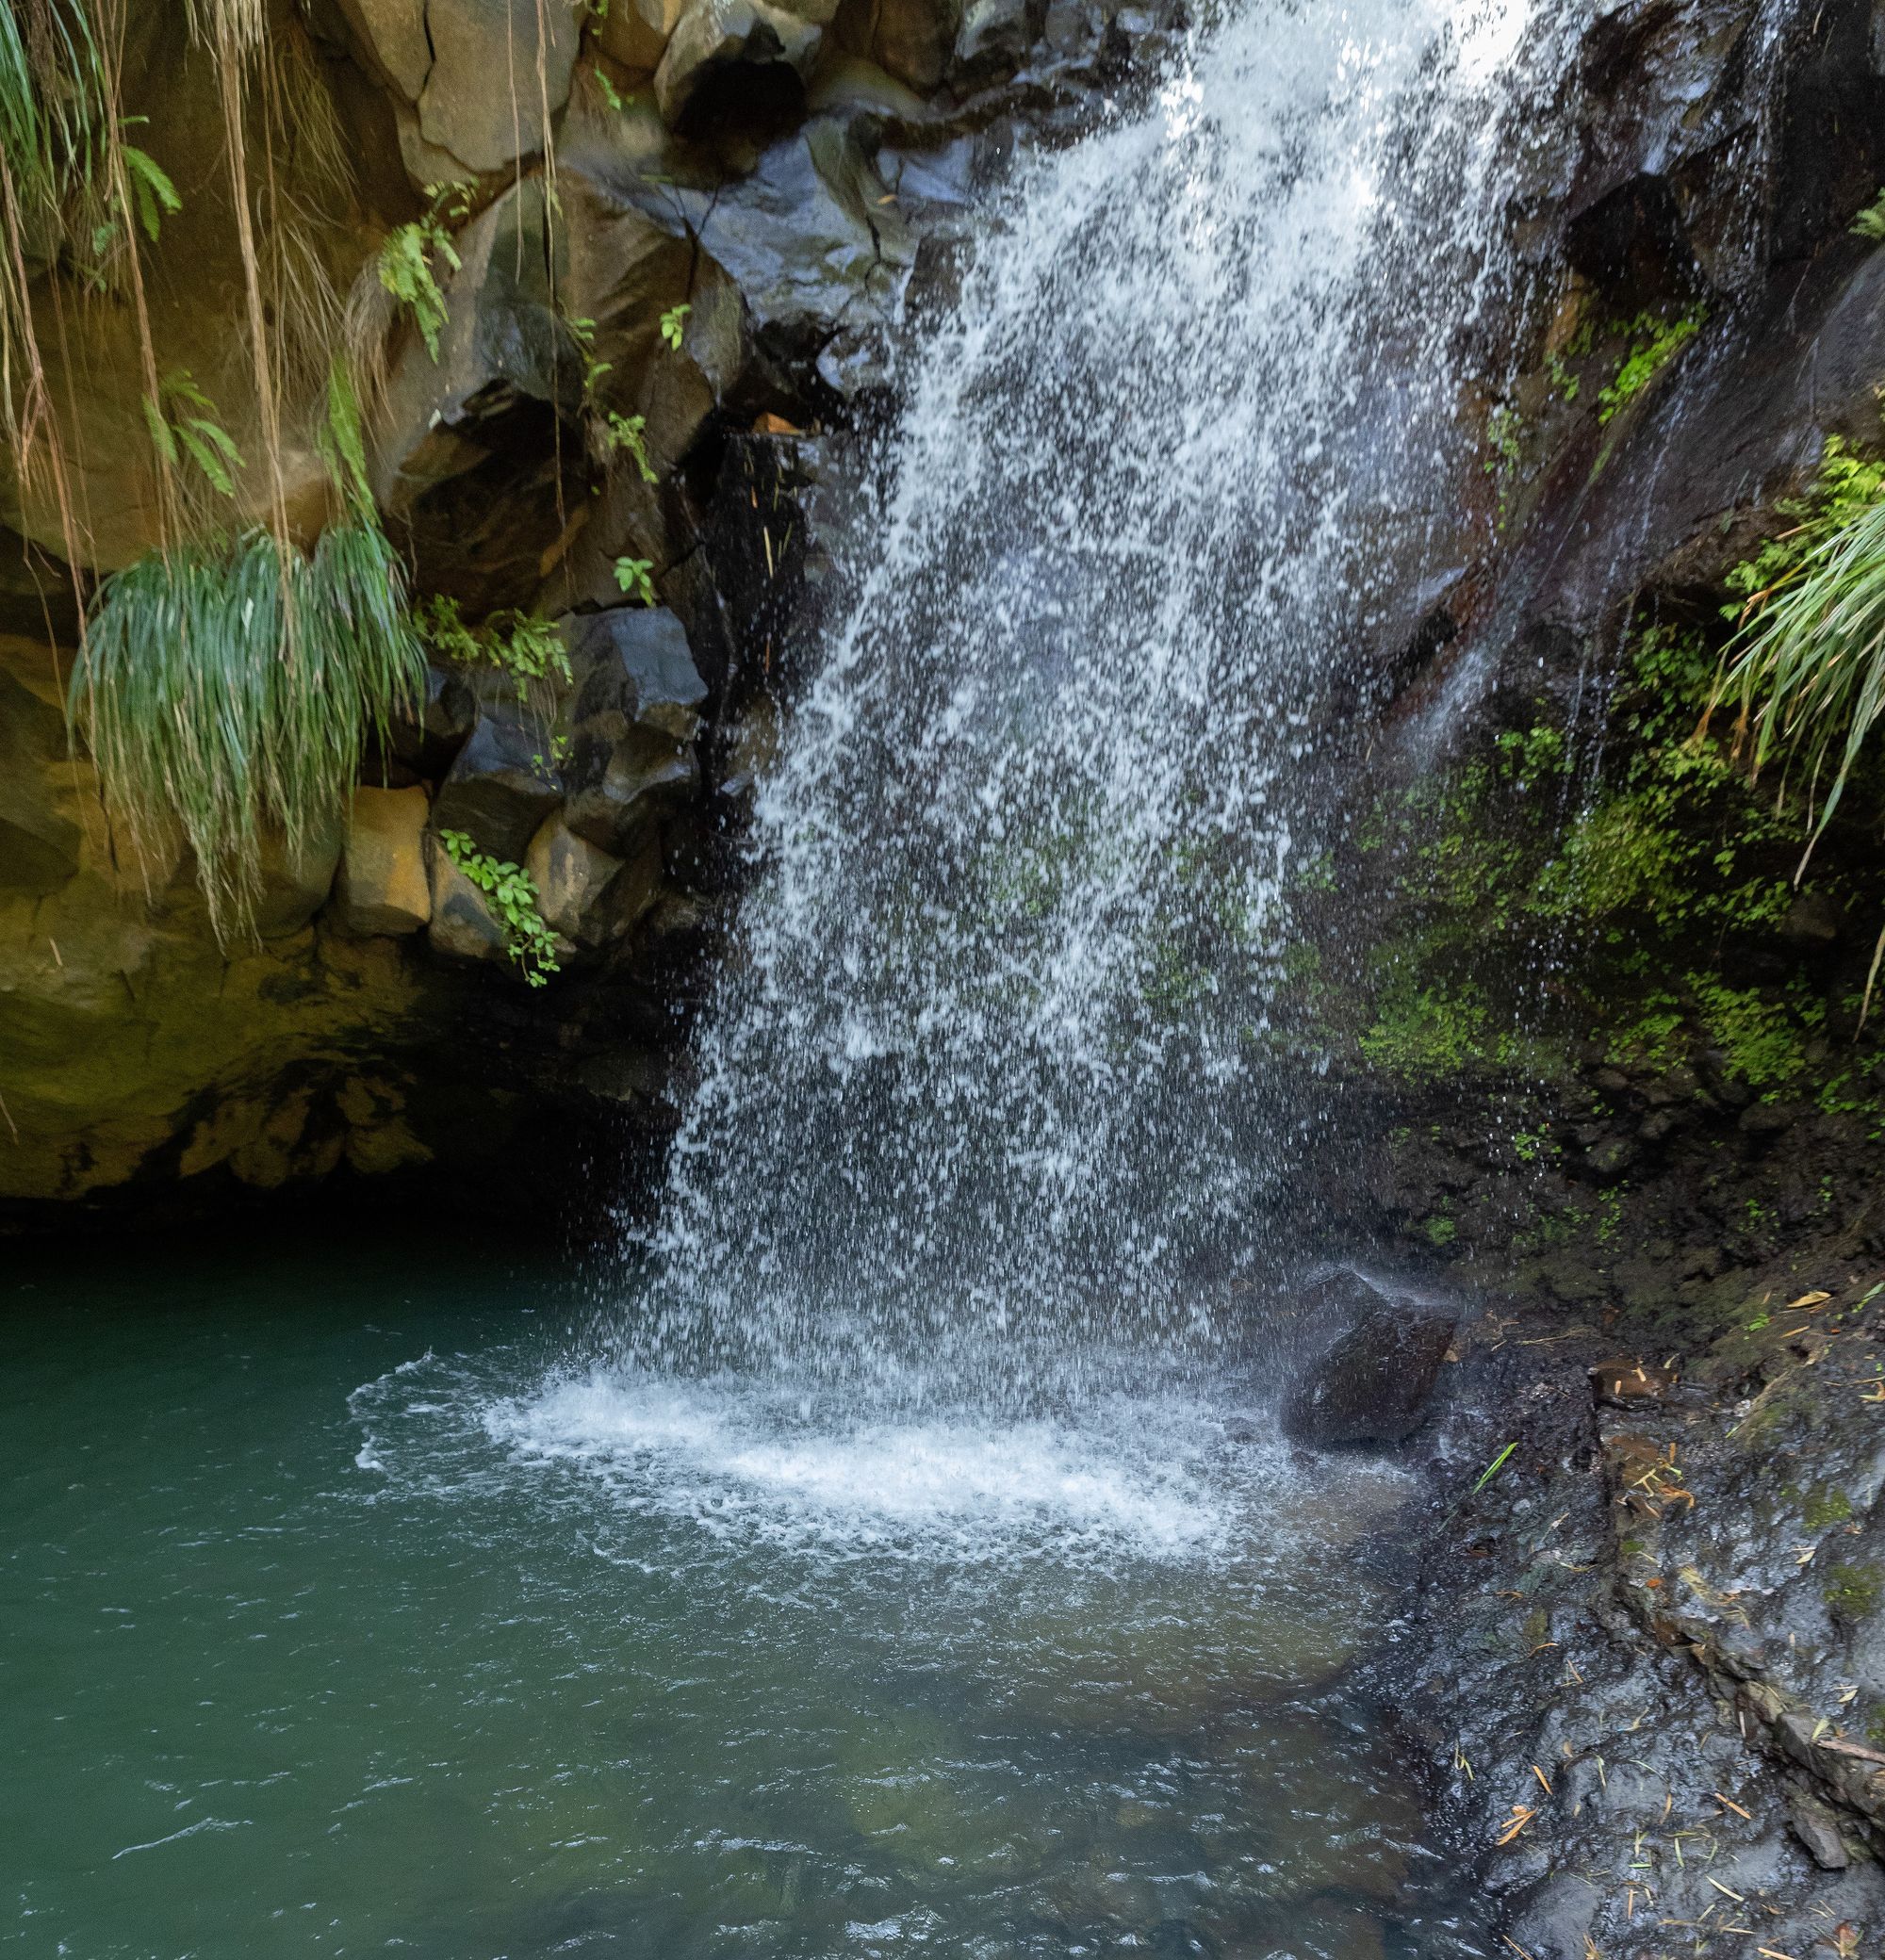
column 1150, row 1477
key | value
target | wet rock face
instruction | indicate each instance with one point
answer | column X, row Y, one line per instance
column 633, row 748
column 1644, row 1662
column 1371, row 1388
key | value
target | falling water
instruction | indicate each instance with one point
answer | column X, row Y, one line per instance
column 993, row 1069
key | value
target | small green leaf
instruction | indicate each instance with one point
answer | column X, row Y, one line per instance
column 152, row 188
column 162, row 440
column 204, row 454
column 631, row 576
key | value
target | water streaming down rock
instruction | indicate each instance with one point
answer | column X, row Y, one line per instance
column 993, row 1069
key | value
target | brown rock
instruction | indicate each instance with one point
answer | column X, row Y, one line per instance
column 636, row 32
column 571, row 876
column 383, row 886
column 462, row 924
column 392, row 38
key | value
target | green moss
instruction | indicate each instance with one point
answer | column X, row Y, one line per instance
column 1825, row 1506
column 1421, row 1032
column 1852, row 1592
column 1441, row 1231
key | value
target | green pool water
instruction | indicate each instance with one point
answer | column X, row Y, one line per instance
column 347, row 1610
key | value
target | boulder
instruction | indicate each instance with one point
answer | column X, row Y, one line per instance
column 1370, row 1387
column 381, row 887
column 572, row 877
column 995, row 36
column 811, row 235
column 391, row 39
column 636, row 32
column 462, row 924
column 637, row 715
column 498, row 68
column 463, row 455
column 910, row 39
column 296, row 880
column 737, row 54
column 427, row 742
column 500, row 786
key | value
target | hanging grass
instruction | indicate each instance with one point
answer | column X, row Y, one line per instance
column 1809, row 662
column 228, row 687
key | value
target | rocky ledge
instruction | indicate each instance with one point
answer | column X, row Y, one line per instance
column 1642, row 1668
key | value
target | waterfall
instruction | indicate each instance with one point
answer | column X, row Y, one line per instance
column 992, row 1067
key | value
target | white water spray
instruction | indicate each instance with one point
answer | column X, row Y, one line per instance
column 995, row 1060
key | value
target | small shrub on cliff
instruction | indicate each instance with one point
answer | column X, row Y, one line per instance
column 1653, row 343
column 407, row 261
column 1808, row 665
column 528, row 648
column 184, row 423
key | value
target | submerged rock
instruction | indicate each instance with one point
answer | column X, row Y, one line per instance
column 1372, row 1386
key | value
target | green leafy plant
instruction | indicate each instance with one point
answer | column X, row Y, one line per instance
column 182, row 422
column 152, row 191
column 627, row 434
column 1504, row 434
column 632, row 576
column 228, row 686
column 218, row 693
column 583, row 331
column 406, row 261
column 611, row 433
column 522, row 645
column 1654, row 344
column 1846, row 486
column 1870, row 223
column 510, row 893
column 674, row 325
column 1808, row 663
column 611, row 94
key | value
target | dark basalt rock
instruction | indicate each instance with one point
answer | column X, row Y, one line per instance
column 501, row 788
column 1372, row 1386
column 638, row 705
column 427, row 742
